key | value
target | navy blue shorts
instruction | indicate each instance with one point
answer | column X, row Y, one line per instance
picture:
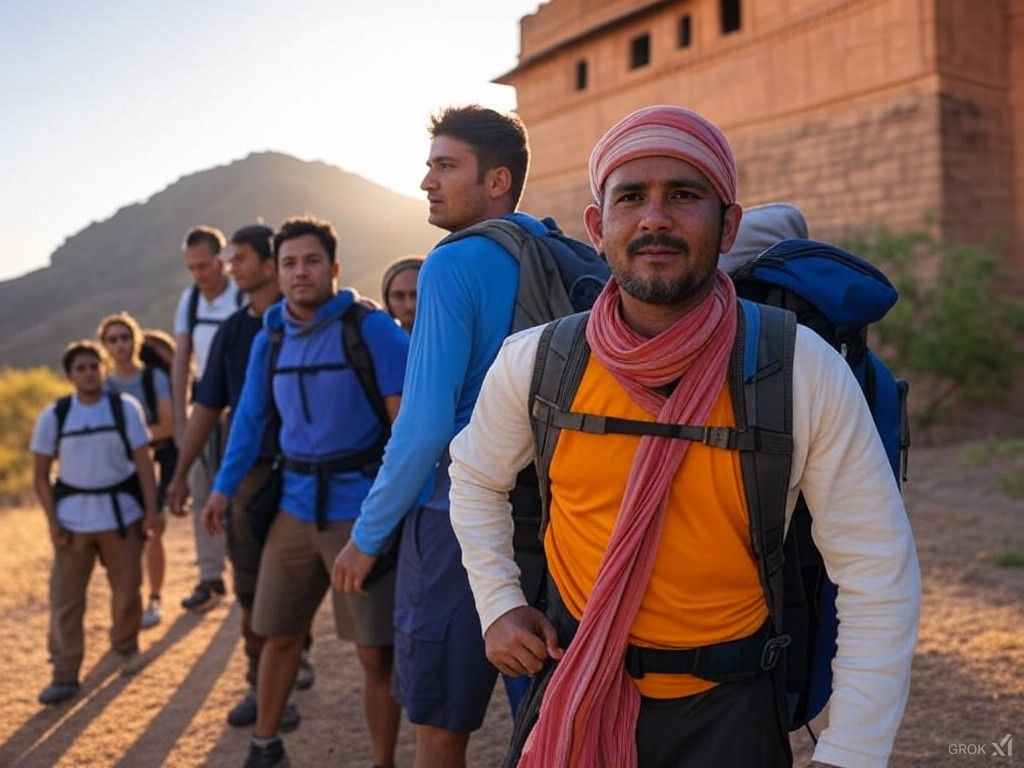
column 442, row 676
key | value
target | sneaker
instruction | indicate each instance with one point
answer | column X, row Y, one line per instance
column 290, row 718
column 305, row 677
column 205, row 596
column 152, row 615
column 55, row 693
column 270, row 756
column 244, row 712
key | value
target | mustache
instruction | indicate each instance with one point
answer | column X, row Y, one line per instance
column 663, row 241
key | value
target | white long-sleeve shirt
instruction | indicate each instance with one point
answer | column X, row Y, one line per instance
column 840, row 466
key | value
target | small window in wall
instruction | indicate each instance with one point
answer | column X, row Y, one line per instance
column 640, row 52
column 730, row 16
column 581, row 75
column 685, row 31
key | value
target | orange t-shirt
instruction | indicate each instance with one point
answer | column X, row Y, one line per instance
column 705, row 587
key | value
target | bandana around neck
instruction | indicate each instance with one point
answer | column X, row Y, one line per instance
column 589, row 711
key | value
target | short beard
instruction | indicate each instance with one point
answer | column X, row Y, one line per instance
column 657, row 291
column 661, row 292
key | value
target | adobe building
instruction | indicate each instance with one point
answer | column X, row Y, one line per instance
column 860, row 112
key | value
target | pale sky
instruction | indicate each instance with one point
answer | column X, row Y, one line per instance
column 105, row 103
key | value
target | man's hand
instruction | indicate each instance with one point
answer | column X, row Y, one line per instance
column 351, row 567
column 177, row 495
column 60, row 536
column 153, row 524
column 214, row 511
column 520, row 641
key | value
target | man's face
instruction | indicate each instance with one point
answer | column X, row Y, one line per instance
column 661, row 228
column 306, row 274
column 456, row 199
column 401, row 298
column 87, row 373
column 205, row 267
column 250, row 271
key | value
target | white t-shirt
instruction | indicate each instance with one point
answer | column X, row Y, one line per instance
column 209, row 316
column 95, row 460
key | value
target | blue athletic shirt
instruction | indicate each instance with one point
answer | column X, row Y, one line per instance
column 466, row 295
column 323, row 413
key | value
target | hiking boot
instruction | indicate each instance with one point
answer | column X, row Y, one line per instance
column 290, row 718
column 305, row 677
column 152, row 615
column 205, row 596
column 270, row 756
column 130, row 662
column 55, row 693
column 244, row 712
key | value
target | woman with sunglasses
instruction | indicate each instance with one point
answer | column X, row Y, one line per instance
column 122, row 338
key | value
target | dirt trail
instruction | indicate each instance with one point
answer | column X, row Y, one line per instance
column 968, row 688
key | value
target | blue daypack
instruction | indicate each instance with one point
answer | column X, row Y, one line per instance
column 836, row 294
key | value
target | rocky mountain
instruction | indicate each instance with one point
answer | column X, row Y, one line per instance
column 132, row 261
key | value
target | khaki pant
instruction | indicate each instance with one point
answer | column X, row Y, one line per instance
column 69, row 579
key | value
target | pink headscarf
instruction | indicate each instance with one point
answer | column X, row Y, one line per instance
column 666, row 131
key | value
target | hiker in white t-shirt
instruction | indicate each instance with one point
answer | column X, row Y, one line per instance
column 203, row 306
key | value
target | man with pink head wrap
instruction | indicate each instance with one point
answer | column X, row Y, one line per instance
column 654, row 595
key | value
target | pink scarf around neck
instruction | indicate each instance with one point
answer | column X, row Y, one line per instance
column 589, row 712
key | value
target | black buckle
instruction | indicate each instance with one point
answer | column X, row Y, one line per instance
column 717, row 437
column 773, row 651
column 634, row 664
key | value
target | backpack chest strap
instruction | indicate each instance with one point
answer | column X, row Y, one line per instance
column 729, row 438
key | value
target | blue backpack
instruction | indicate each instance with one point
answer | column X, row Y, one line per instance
column 835, row 293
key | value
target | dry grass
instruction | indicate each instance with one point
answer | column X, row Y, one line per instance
column 967, row 684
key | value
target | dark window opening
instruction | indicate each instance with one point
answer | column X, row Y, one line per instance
column 581, row 75
column 640, row 52
column 730, row 16
column 685, row 31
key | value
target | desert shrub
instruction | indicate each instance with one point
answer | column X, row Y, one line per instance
column 954, row 334
column 23, row 394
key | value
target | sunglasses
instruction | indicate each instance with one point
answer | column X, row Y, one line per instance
column 117, row 337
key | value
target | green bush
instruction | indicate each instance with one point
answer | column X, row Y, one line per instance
column 953, row 334
column 23, row 395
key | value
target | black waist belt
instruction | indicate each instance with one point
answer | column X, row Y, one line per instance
column 129, row 485
column 722, row 662
column 366, row 461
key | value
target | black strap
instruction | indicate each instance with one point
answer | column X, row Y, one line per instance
column 357, row 352
column 366, row 461
column 761, row 381
column 129, row 485
column 63, row 406
column 149, row 394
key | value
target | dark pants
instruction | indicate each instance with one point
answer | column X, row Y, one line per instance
column 732, row 724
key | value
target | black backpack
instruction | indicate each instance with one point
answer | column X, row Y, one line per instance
column 559, row 275
column 156, row 345
column 265, row 503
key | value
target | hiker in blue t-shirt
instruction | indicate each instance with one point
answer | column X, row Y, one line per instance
column 466, row 296
column 330, row 439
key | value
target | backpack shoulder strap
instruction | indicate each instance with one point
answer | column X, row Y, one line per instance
column 117, row 407
column 60, row 410
column 504, row 232
column 358, row 354
column 193, row 310
column 761, row 382
column 562, row 355
column 149, row 393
